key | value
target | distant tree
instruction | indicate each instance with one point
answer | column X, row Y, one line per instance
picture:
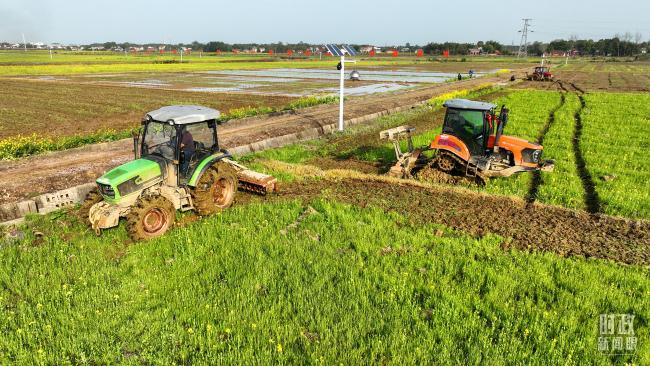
column 109, row 45
column 536, row 48
column 638, row 37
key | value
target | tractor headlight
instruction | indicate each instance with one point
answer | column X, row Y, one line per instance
column 531, row 155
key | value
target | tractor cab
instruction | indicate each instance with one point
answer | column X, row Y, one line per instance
column 471, row 122
column 542, row 70
column 178, row 138
column 541, row 73
column 472, row 136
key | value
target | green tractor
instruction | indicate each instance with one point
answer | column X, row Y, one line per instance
column 178, row 165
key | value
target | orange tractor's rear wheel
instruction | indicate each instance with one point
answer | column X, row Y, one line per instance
column 445, row 162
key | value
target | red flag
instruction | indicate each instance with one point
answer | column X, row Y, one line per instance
column 372, row 53
column 395, row 53
column 419, row 52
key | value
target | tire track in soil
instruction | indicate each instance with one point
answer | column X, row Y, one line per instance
column 609, row 79
column 592, row 201
column 536, row 180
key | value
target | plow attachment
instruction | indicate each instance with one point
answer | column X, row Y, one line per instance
column 252, row 181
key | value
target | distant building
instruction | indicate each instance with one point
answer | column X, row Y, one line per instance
column 475, row 51
column 368, row 49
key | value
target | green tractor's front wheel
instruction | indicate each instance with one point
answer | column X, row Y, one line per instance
column 215, row 190
column 150, row 217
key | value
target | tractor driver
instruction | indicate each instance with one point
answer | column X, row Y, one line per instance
column 187, row 148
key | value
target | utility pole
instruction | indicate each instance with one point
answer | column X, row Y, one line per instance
column 24, row 42
column 523, row 44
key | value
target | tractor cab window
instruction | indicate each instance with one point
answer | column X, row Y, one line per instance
column 464, row 122
column 202, row 135
column 467, row 125
column 160, row 139
column 198, row 141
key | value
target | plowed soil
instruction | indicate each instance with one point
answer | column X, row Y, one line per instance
column 526, row 226
column 41, row 174
column 595, row 81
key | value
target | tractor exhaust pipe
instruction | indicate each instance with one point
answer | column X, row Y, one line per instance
column 136, row 144
column 503, row 119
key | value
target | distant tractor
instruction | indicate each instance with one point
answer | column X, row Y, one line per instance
column 471, row 144
column 541, row 73
column 178, row 165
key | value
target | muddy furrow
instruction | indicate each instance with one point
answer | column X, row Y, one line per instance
column 577, row 88
column 609, row 79
column 537, row 181
column 529, row 227
column 592, row 201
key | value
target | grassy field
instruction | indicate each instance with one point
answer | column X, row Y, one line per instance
column 613, row 152
column 289, row 283
column 615, row 140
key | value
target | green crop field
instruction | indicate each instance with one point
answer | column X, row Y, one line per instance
column 616, row 143
column 612, row 151
column 343, row 265
column 13, row 63
column 291, row 283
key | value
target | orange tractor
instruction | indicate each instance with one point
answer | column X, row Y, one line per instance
column 541, row 73
column 471, row 144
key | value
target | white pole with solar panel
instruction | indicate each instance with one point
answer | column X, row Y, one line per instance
column 337, row 51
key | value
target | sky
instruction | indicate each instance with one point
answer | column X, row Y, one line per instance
column 378, row 22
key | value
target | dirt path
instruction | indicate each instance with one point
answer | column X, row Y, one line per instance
column 529, row 226
column 41, row 174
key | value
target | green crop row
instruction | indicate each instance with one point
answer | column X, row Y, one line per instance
column 615, row 143
column 22, row 146
column 323, row 285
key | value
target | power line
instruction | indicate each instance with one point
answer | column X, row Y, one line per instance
column 523, row 44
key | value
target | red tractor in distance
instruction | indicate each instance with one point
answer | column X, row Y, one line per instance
column 541, row 73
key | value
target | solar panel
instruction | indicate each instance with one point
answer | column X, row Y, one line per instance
column 334, row 50
column 351, row 51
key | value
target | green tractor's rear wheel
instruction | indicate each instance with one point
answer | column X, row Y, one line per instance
column 215, row 190
column 150, row 217
column 93, row 197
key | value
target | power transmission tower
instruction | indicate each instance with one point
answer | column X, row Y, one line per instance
column 523, row 44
